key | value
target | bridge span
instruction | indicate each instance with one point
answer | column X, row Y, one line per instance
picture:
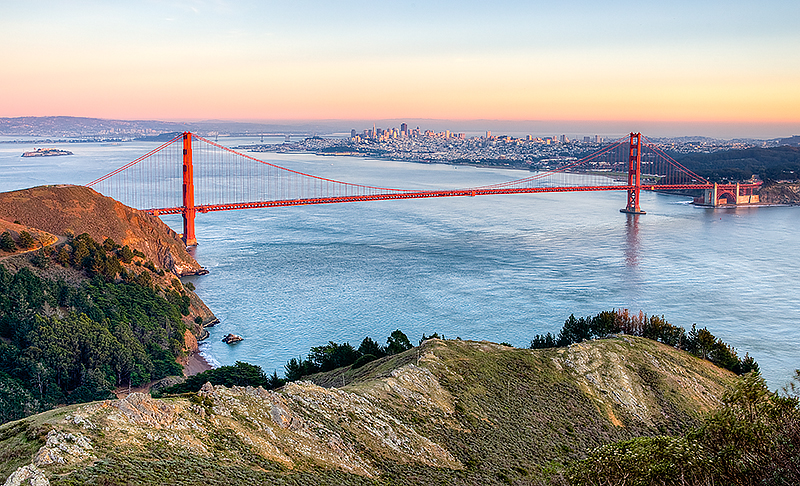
column 190, row 174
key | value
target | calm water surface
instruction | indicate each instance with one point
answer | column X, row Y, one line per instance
column 501, row 268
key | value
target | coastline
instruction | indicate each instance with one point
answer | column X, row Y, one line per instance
column 196, row 364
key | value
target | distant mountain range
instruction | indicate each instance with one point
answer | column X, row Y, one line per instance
column 70, row 126
column 82, row 127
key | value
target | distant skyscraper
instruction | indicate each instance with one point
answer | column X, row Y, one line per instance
column 564, row 139
column 353, row 133
column 598, row 139
column 488, row 134
column 403, row 128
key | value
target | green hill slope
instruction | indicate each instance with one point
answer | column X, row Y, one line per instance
column 447, row 412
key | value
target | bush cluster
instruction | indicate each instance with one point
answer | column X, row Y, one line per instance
column 700, row 343
column 754, row 438
column 240, row 374
column 105, row 260
column 334, row 355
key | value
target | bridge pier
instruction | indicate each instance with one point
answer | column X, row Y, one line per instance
column 634, row 175
column 728, row 195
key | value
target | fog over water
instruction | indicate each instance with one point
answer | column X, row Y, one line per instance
column 501, row 268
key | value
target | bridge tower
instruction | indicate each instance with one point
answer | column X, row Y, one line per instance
column 188, row 192
column 634, row 175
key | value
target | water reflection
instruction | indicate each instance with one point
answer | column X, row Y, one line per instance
column 632, row 240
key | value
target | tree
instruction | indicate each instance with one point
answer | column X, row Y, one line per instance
column 7, row 243
column 543, row 341
column 126, row 254
column 370, row 346
column 397, row 342
column 62, row 257
column 110, row 245
column 26, row 240
column 575, row 330
column 333, row 355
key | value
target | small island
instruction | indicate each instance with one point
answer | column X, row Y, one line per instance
column 49, row 152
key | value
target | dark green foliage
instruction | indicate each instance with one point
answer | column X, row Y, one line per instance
column 26, row 240
column 397, row 342
column 541, row 341
column 189, row 286
column 334, row 355
column 7, row 242
column 40, row 259
column 92, row 257
column 701, row 342
column 109, row 245
column 779, row 163
column 370, row 346
column 62, row 257
column 125, row 254
column 363, row 359
column 575, row 330
column 753, row 439
column 240, row 374
column 107, row 334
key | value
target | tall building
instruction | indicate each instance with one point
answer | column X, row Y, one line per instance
column 403, row 128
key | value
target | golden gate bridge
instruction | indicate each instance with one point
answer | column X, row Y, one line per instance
column 190, row 174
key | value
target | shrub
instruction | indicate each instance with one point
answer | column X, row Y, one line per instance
column 364, row 359
column 26, row 240
column 7, row 242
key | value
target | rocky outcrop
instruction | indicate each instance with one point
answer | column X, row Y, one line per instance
column 27, row 476
column 442, row 409
column 780, row 193
column 232, row 339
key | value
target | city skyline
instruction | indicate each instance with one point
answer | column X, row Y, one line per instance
column 723, row 69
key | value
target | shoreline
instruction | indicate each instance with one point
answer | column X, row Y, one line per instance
column 196, row 364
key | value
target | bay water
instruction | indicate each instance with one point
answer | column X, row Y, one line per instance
column 500, row 268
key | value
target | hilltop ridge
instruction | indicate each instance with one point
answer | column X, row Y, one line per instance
column 459, row 412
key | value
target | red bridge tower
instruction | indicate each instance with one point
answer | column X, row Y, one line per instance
column 634, row 175
column 188, row 192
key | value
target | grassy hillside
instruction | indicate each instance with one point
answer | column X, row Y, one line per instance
column 446, row 412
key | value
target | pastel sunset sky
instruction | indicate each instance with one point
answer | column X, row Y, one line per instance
column 694, row 62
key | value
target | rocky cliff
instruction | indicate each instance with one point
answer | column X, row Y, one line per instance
column 77, row 209
column 447, row 412
column 779, row 193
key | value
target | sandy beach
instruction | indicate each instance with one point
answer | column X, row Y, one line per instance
column 196, row 364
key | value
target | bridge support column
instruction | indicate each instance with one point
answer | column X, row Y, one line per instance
column 634, row 175
column 188, row 192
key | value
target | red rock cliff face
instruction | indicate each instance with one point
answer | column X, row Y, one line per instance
column 56, row 209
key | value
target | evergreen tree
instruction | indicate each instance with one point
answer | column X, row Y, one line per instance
column 397, row 342
column 7, row 242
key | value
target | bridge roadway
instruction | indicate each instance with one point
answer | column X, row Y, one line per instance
column 402, row 194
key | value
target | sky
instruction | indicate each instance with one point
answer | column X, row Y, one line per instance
column 724, row 67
